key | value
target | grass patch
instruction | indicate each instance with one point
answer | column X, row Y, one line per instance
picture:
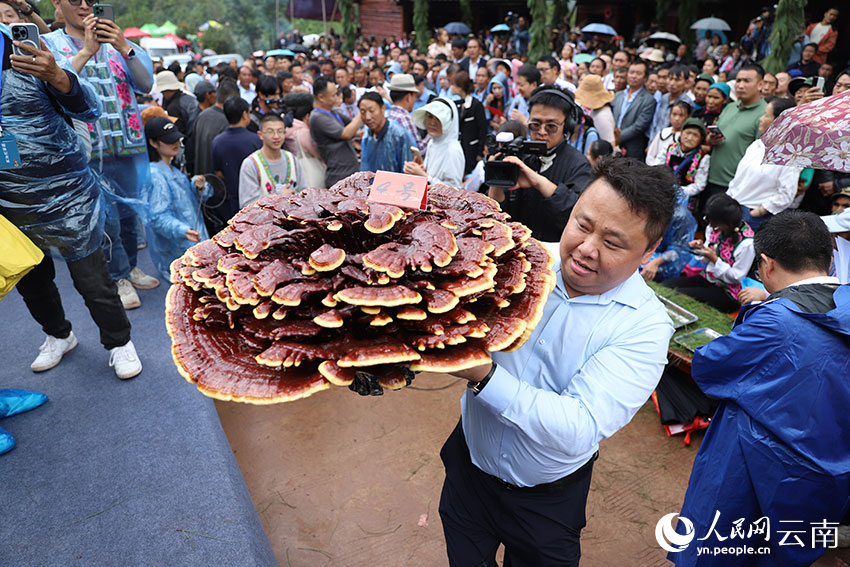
column 708, row 316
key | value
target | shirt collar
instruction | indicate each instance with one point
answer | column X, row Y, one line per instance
column 826, row 280
column 741, row 105
column 628, row 292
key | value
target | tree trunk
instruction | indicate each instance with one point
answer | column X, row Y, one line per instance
column 789, row 23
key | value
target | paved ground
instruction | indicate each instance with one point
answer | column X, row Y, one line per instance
column 344, row 480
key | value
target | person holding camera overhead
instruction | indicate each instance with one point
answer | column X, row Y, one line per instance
column 544, row 196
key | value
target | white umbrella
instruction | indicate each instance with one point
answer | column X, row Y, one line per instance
column 665, row 37
column 711, row 23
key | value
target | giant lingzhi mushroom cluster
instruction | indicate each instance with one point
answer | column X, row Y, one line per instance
column 300, row 292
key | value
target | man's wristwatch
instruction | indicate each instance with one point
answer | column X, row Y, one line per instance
column 476, row 387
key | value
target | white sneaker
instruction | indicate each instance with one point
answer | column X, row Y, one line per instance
column 125, row 361
column 129, row 297
column 141, row 280
column 52, row 351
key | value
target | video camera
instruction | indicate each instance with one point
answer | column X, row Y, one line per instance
column 497, row 172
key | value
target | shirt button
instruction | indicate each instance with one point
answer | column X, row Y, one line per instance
column 504, row 456
column 542, row 342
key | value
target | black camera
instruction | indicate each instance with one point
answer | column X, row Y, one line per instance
column 497, row 172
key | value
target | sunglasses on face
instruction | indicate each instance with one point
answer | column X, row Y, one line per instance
column 550, row 127
column 76, row 3
column 272, row 100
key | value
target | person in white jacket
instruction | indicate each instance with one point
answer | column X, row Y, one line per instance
column 763, row 189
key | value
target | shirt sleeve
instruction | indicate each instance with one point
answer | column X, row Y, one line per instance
column 744, row 255
column 786, row 190
column 700, row 179
column 249, row 184
column 601, row 398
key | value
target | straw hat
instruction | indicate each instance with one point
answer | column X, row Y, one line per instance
column 167, row 81
column 592, row 94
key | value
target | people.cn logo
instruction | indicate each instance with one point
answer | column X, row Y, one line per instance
column 666, row 532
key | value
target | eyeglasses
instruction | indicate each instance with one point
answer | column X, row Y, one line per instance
column 266, row 100
column 76, row 3
column 551, row 127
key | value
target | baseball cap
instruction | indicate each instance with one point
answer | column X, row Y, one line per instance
column 163, row 130
column 839, row 222
column 203, row 88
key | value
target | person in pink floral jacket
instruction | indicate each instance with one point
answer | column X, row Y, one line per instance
column 117, row 69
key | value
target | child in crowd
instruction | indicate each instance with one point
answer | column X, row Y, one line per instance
column 657, row 152
column 688, row 159
column 175, row 210
column 729, row 254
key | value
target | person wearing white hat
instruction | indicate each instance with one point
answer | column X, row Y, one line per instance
column 444, row 162
column 178, row 103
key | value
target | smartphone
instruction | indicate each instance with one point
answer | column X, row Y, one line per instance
column 820, row 82
column 25, row 33
column 713, row 129
column 417, row 155
column 103, row 11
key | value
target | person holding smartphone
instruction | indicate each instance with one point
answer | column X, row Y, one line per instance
column 53, row 197
column 97, row 50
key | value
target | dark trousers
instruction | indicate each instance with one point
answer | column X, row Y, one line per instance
column 478, row 513
column 91, row 279
column 703, row 290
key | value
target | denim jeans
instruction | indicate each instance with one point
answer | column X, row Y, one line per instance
column 754, row 222
column 92, row 280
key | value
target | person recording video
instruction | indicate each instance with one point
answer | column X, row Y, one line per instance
column 544, row 195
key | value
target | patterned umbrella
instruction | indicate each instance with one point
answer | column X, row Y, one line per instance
column 815, row 135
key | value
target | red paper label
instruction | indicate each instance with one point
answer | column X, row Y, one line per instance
column 399, row 189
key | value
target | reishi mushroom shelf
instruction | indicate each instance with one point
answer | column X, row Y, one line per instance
column 323, row 287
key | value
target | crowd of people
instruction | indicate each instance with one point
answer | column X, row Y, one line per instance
column 647, row 161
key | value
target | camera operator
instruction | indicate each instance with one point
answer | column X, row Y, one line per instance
column 543, row 199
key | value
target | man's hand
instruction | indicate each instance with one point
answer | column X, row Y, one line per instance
column 811, row 95
column 756, row 212
column 199, row 182
column 750, row 294
column 413, row 168
column 714, row 138
column 474, row 374
column 528, row 178
column 109, row 32
column 40, row 64
column 91, row 44
column 650, row 270
column 193, row 235
column 519, row 116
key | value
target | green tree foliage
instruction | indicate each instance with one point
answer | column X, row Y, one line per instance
column 789, row 22
column 661, row 9
column 349, row 24
column 218, row 39
column 420, row 23
column 687, row 16
column 539, row 44
column 466, row 12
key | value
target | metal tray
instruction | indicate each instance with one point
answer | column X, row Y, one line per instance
column 680, row 316
column 696, row 338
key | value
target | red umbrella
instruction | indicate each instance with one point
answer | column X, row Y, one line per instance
column 178, row 40
column 135, row 33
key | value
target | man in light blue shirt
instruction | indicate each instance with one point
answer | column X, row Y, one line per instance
column 518, row 466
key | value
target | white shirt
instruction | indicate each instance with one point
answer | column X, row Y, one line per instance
column 818, row 32
column 744, row 254
column 587, row 368
column 762, row 184
column 249, row 94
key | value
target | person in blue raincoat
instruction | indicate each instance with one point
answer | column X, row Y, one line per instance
column 54, row 198
column 497, row 96
column 176, row 222
column 673, row 253
column 777, row 453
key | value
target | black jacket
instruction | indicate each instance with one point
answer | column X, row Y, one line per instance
column 547, row 217
column 472, row 132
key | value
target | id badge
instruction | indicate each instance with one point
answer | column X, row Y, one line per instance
column 9, row 156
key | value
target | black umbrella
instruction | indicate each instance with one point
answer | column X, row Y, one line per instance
column 297, row 48
column 458, row 28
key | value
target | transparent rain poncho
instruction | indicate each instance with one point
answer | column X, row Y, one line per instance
column 54, row 198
